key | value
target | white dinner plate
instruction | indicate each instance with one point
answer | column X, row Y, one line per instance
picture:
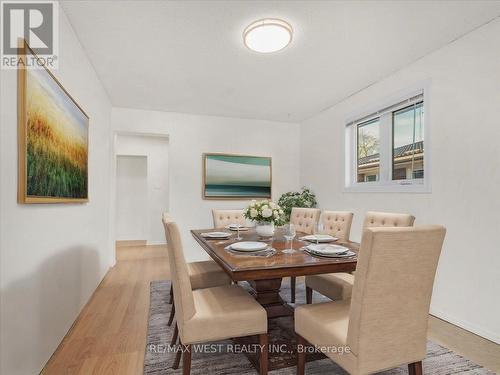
column 236, row 226
column 327, row 249
column 216, row 235
column 347, row 254
column 319, row 238
column 249, row 246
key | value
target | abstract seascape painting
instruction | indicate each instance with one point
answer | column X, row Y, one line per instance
column 227, row 176
column 53, row 140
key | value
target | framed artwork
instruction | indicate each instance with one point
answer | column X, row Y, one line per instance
column 227, row 176
column 53, row 139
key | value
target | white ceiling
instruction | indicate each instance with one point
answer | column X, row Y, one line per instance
column 188, row 56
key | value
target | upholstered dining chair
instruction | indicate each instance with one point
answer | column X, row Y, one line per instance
column 304, row 220
column 202, row 274
column 211, row 314
column 223, row 218
column 337, row 223
column 384, row 324
column 339, row 285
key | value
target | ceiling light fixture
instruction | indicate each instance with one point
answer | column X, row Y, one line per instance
column 267, row 35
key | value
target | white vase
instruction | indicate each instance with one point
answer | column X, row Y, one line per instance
column 264, row 229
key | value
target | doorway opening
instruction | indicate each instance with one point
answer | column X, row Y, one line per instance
column 141, row 189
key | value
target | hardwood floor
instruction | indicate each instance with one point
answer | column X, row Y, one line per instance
column 474, row 347
column 109, row 337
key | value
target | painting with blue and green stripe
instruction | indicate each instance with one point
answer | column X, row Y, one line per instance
column 237, row 176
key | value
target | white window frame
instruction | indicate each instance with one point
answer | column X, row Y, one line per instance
column 385, row 184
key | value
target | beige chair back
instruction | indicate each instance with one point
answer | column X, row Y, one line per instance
column 183, row 294
column 164, row 217
column 304, row 219
column 387, row 219
column 223, row 218
column 337, row 223
column 391, row 295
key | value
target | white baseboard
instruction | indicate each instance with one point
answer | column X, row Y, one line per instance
column 156, row 242
column 492, row 336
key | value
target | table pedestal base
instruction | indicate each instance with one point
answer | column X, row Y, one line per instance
column 267, row 293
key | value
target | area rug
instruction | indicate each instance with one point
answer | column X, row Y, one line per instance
column 226, row 358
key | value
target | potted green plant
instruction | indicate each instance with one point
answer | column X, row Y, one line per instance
column 304, row 198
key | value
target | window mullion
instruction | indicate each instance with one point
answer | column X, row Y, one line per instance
column 385, row 148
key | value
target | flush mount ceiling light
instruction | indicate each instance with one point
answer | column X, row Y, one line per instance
column 267, row 35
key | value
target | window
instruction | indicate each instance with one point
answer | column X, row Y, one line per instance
column 385, row 149
column 368, row 151
column 408, row 143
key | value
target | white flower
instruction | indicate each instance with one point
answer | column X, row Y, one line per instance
column 273, row 205
column 281, row 212
column 253, row 203
column 267, row 212
column 253, row 212
column 276, row 214
column 264, row 207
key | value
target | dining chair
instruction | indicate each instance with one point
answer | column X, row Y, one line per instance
column 211, row 314
column 384, row 324
column 304, row 220
column 223, row 218
column 202, row 274
column 337, row 223
column 339, row 285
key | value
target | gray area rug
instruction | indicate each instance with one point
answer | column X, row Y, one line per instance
column 215, row 359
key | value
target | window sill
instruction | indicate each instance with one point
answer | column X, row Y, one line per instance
column 377, row 187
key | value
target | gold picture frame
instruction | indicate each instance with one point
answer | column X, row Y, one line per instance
column 224, row 179
column 55, row 138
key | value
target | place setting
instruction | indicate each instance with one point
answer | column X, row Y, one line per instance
column 318, row 236
column 237, row 227
column 328, row 251
column 216, row 235
column 250, row 248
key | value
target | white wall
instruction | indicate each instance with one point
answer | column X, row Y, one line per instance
column 132, row 216
column 155, row 149
column 192, row 135
column 463, row 109
column 52, row 256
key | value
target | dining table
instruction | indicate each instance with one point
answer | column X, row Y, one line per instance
column 265, row 273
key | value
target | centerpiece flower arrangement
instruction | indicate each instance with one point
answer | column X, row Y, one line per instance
column 266, row 214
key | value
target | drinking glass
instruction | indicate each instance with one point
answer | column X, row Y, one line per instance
column 289, row 234
column 238, row 238
column 319, row 228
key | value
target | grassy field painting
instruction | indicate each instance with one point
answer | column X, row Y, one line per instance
column 56, row 140
column 234, row 176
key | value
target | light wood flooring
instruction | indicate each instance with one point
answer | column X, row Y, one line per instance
column 109, row 337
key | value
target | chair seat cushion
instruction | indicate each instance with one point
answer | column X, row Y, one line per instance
column 206, row 274
column 337, row 286
column 224, row 312
column 323, row 323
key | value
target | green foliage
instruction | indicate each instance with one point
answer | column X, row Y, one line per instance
column 304, row 198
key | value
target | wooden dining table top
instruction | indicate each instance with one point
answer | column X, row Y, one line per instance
column 299, row 263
